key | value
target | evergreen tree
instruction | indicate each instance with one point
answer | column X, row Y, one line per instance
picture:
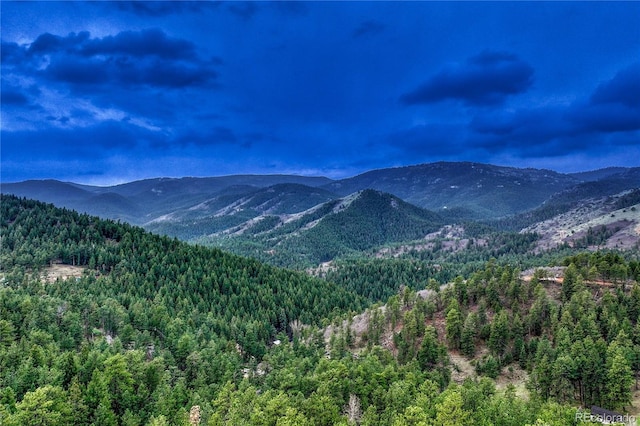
column 619, row 378
column 454, row 326
column 468, row 337
column 499, row 337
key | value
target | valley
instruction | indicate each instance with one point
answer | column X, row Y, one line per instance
column 388, row 312
column 299, row 222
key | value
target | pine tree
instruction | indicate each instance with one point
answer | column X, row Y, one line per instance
column 454, row 327
column 569, row 281
column 429, row 353
column 451, row 412
column 468, row 338
column 619, row 379
column 499, row 338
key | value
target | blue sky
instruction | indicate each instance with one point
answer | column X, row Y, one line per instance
column 107, row 92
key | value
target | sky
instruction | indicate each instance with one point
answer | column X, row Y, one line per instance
column 114, row 91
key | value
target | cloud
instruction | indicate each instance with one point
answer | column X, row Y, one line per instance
column 147, row 58
column 49, row 43
column 370, row 27
column 13, row 95
column 622, row 89
column 160, row 8
column 100, row 140
column 605, row 123
column 151, row 42
column 528, row 132
column 243, row 9
column 605, row 118
column 486, row 79
column 608, row 120
column 614, row 106
column 124, row 71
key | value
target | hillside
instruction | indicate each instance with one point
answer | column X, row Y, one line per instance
column 460, row 191
column 580, row 195
column 607, row 222
column 104, row 323
column 298, row 222
column 353, row 224
column 236, row 205
column 520, row 328
column 487, row 191
column 139, row 302
column 143, row 201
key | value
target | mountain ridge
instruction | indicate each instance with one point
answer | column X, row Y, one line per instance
column 481, row 190
column 256, row 215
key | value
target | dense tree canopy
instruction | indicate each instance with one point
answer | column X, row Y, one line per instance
column 150, row 328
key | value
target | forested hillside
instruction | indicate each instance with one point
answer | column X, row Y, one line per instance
column 148, row 330
column 155, row 306
column 299, row 222
column 350, row 225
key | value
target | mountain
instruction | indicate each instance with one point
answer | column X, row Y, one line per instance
column 486, row 191
column 295, row 220
column 599, row 174
column 459, row 191
column 611, row 222
column 236, row 205
column 356, row 223
column 582, row 194
column 104, row 323
column 145, row 200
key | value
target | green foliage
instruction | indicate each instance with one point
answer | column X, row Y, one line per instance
column 454, row 325
column 379, row 279
column 619, row 378
column 155, row 323
column 154, row 327
column 499, row 337
column 469, row 334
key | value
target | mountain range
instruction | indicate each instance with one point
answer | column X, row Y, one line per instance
column 317, row 218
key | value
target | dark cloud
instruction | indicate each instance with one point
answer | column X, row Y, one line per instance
column 12, row 95
column 78, row 70
column 49, row 43
column 486, row 79
column 130, row 58
column 152, row 42
column 161, row 8
column 531, row 132
column 613, row 107
column 623, row 89
column 371, row 27
column 587, row 126
column 243, row 9
column 12, row 54
column 605, row 118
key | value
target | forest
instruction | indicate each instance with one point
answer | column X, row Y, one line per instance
column 155, row 331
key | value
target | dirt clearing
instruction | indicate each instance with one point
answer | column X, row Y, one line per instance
column 51, row 273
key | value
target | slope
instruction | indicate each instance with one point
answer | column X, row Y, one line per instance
column 240, row 298
column 577, row 196
column 487, row 191
column 148, row 199
column 359, row 222
column 236, row 205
